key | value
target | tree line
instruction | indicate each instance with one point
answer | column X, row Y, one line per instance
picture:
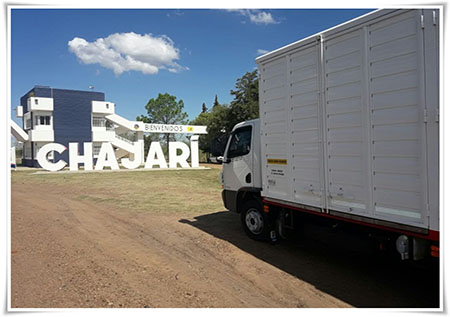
column 219, row 119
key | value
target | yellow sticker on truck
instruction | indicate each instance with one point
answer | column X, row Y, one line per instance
column 277, row 161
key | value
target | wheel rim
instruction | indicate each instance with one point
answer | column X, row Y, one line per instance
column 254, row 221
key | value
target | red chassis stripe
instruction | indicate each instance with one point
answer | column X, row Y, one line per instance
column 432, row 235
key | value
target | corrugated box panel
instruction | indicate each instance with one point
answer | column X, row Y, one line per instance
column 398, row 144
column 304, row 113
column 345, row 123
column 274, row 140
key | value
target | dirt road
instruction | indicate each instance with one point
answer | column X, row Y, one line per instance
column 71, row 253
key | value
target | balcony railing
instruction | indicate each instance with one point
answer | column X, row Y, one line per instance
column 123, row 139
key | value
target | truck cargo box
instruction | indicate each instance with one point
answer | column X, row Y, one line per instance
column 350, row 119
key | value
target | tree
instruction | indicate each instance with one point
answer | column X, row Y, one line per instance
column 165, row 109
column 245, row 105
column 215, row 120
column 204, row 118
column 148, row 139
column 216, row 102
column 204, row 108
column 221, row 119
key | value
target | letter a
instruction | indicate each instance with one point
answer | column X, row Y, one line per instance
column 106, row 157
column 155, row 148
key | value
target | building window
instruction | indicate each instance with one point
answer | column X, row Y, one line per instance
column 45, row 120
column 42, row 120
column 28, row 124
column 107, row 106
column 96, row 150
column 36, row 102
column 109, row 126
column 98, row 122
column 27, row 150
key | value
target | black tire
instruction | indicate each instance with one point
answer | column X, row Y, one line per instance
column 256, row 223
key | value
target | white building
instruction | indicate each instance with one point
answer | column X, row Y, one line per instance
column 62, row 116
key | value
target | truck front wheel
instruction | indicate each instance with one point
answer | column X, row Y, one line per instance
column 255, row 222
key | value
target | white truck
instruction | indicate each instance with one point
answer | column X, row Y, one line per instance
column 348, row 132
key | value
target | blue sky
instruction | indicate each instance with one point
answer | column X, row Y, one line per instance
column 133, row 54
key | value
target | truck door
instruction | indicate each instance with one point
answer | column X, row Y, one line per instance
column 238, row 160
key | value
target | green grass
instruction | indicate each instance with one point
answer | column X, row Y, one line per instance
column 186, row 191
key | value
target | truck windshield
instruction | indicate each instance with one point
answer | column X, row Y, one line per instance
column 240, row 142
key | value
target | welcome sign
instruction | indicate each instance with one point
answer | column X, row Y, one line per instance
column 179, row 154
column 174, row 128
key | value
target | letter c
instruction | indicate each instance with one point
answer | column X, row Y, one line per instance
column 42, row 157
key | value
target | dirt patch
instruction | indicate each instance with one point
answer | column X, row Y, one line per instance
column 72, row 252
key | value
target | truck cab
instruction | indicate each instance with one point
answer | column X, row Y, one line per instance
column 242, row 182
column 241, row 168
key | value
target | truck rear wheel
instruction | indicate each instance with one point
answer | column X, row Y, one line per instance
column 255, row 222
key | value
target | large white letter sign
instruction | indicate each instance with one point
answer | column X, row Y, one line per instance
column 42, row 157
column 132, row 164
column 155, row 148
column 194, row 151
column 174, row 159
column 75, row 158
column 106, row 157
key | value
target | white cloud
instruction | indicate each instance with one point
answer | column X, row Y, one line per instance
column 123, row 52
column 257, row 16
column 261, row 18
column 261, row 51
column 175, row 12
